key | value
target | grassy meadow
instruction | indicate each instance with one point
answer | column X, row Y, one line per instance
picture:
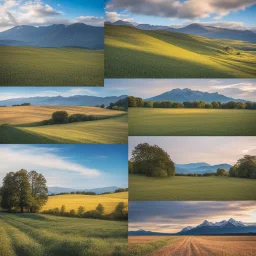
column 25, row 66
column 24, row 127
column 134, row 53
column 40, row 235
column 109, row 201
column 191, row 122
column 143, row 188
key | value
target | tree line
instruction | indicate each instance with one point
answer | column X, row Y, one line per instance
column 22, row 105
column 120, row 212
column 24, row 191
column 139, row 102
column 119, row 190
column 153, row 161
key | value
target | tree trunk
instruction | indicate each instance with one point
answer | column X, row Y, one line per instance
column 21, row 209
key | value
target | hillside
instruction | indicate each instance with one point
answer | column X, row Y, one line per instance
column 199, row 30
column 109, row 201
column 134, row 53
column 57, row 35
column 32, row 114
column 77, row 100
column 182, row 95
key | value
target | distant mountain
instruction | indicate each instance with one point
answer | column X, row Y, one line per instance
column 200, row 30
column 199, row 168
column 219, row 228
column 75, row 35
column 58, row 190
column 228, row 227
column 78, row 100
column 182, row 95
column 121, row 23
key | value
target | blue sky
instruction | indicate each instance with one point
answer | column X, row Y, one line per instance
column 145, row 88
column 110, row 89
column 173, row 216
column 48, row 12
column 212, row 150
column 73, row 166
column 224, row 13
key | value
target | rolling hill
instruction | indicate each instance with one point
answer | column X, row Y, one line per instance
column 198, row 30
column 199, row 168
column 57, row 35
column 135, row 53
column 182, row 95
column 78, row 100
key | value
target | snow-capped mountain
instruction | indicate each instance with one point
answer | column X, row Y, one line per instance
column 230, row 226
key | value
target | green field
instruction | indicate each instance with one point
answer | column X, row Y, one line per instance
column 133, row 53
column 41, row 235
column 142, row 188
column 25, row 66
column 191, row 122
column 112, row 130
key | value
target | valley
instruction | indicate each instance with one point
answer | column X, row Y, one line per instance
column 135, row 53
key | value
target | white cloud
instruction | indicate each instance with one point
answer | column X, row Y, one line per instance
column 114, row 16
column 37, row 13
column 189, row 9
column 45, row 160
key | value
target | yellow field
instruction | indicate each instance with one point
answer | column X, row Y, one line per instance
column 109, row 201
column 23, row 115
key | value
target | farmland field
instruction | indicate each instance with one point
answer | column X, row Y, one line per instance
column 40, row 235
column 134, row 53
column 142, row 188
column 90, row 202
column 25, row 66
column 191, row 122
column 195, row 246
column 24, row 128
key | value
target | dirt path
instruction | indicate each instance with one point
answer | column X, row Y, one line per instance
column 209, row 246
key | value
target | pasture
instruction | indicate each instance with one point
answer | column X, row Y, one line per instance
column 24, row 126
column 191, row 122
column 90, row 202
column 134, row 53
column 194, row 246
column 31, row 66
column 143, row 188
column 40, row 235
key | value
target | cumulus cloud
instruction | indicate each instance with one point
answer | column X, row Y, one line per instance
column 36, row 13
column 114, row 16
column 189, row 9
column 46, row 160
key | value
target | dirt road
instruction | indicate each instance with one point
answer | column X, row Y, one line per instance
column 209, row 246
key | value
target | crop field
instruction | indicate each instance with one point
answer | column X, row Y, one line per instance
column 196, row 246
column 25, row 66
column 90, row 202
column 40, row 235
column 24, row 127
column 134, row 53
column 191, row 122
column 142, row 188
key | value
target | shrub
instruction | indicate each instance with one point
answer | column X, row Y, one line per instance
column 72, row 213
column 92, row 214
column 100, row 208
column 80, row 211
column 60, row 117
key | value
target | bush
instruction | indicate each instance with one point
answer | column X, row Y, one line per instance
column 77, row 118
column 92, row 214
column 60, row 117
column 100, row 208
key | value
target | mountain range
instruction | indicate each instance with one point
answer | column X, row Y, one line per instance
column 77, row 35
column 199, row 168
column 230, row 226
column 78, row 100
column 182, row 95
column 198, row 30
column 58, row 190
